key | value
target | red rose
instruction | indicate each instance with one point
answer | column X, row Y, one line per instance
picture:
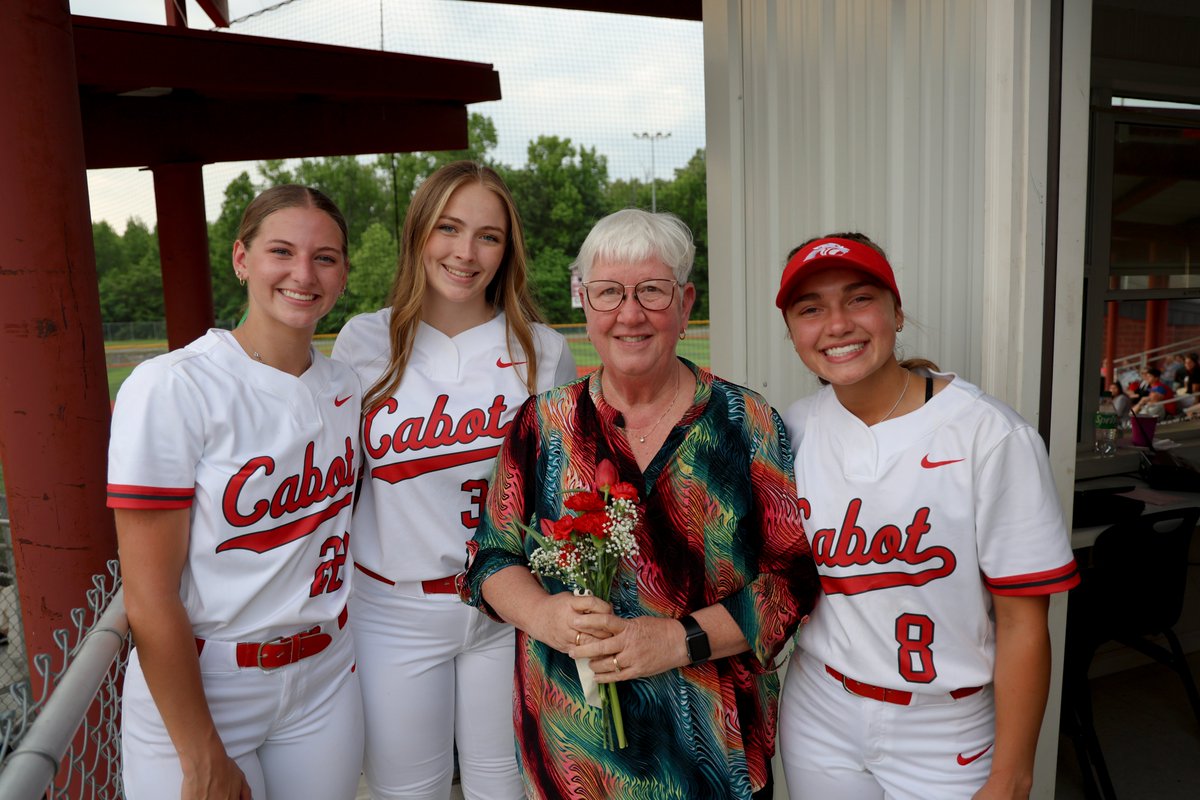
column 584, row 501
column 625, row 491
column 563, row 528
column 592, row 523
column 606, row 474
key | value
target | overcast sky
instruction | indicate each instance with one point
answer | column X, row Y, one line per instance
column 595, row 78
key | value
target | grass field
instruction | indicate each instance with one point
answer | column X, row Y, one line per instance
column 123, row 356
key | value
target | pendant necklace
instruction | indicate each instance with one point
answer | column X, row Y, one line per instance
column 674, row 397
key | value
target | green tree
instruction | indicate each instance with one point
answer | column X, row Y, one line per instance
column 110, row 249
column 354, row 186
column 372, row 266
column 552, row 288
column 560, row 193
column 687, row 197
column 138, row 240
column 229, row 297
column 134, row 293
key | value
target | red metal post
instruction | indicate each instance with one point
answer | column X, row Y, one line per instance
column 183, row 250
column 54, row 405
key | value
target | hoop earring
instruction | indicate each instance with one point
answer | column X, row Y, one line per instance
column 899, row 328
column 242, row 280
column 683, row 334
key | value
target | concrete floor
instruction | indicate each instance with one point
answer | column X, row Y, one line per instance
column 1149, row 735
column 1150, row 738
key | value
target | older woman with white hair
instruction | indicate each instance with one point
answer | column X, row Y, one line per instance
column 722, row 574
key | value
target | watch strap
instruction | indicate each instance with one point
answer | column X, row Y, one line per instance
column 695, row 639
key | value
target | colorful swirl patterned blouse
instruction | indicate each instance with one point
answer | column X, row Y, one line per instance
column 718, row 524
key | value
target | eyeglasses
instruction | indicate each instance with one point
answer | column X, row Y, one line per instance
column 655, row 294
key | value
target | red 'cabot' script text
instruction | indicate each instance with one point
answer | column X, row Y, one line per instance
column 294, row 493
column 850, row 546
column 437, row 430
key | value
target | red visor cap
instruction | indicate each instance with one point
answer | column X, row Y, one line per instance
column 831, row 253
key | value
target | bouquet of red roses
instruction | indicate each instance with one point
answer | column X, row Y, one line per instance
column 583, row 549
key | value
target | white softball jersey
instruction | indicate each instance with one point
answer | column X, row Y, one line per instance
column 429, row 449
column 265, row 461
column 914, row 523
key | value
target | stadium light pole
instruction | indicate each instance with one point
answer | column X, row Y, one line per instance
column 652, row 138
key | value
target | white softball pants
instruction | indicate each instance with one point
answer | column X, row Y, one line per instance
column 839, row 746
column 434, row 672
column 296, row 731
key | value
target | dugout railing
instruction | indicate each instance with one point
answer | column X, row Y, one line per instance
column 65, row 743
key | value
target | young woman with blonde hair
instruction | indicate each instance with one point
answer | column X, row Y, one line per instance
column 448, row 363
column 232, row 468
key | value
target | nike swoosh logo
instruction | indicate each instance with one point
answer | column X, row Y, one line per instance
column 340, row 401
column 927, row 464
column 502, row 364
column 965, row 760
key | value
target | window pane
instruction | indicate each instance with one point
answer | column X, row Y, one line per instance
column 1156, row 207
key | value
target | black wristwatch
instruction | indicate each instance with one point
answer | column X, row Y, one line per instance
column 696, row 640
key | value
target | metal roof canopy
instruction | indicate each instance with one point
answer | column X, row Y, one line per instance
column 667, row 9
column 151, row 94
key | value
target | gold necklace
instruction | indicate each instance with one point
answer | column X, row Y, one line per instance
column 257, row 356
column 674, row 397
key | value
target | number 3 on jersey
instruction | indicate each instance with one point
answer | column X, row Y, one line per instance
column 914, row 634
column 476, row 490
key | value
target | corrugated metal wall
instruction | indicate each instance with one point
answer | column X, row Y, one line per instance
column 924, row 123
column 862, row 115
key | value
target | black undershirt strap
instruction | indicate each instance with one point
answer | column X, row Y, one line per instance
column 928, row 389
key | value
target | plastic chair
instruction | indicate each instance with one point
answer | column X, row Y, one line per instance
column 1132, row 590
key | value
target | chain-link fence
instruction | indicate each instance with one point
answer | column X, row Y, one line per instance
column 12, row 651
column 152, row 330
column 65, row 742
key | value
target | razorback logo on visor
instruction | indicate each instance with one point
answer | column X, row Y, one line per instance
column 437, row 429
column 294, row 493
column 827, row 249
column 850, row 546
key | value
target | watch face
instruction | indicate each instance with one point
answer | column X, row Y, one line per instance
column 695, row 639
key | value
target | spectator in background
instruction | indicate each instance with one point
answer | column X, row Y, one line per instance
column 1121, row 402
column 1191, row 384
column 1175, row 371
column 1156, row 392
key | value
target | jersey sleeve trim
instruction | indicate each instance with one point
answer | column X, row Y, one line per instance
column 121, row 495
column 1036, row 583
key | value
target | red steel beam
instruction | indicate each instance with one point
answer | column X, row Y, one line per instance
column 135, row 131
column 114, row 57
column 54, row 406
column 183, row 251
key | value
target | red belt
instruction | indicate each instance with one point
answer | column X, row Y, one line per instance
column 284, row 650
column 447, row 585
column 897, row 696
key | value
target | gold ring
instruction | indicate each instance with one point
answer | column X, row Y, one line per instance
column 616, row 664
column 577, row 635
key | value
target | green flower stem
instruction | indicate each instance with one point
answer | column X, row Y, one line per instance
column 614, row 706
